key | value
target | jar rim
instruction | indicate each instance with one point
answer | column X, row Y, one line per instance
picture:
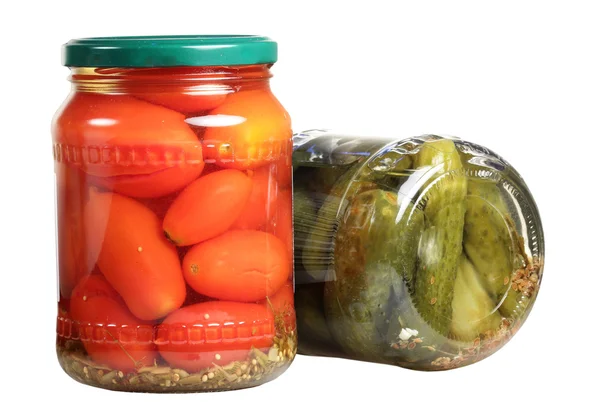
column 169, row 51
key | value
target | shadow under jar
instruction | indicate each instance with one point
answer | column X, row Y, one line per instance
column 173, row 171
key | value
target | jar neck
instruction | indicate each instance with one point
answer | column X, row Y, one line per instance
column 175, row 79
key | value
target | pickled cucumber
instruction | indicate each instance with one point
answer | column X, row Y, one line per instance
column 491, row 245
column 390, row 169
column 313, row 332
column 439, row 252
column 487, row 239
column 443, row 181
column 522, row 288
column 411, row 340
column 304, row 219
column 473, row 311
column 439, row 153
column 358, row 311
column 318, row 250
column 441, row 242
column 374, row 230
column 317, row 181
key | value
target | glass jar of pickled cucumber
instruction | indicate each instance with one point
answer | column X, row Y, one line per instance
column 173, row 170
column 426, row 253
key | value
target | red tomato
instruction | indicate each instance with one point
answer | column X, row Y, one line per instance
column 259, row 134
column 196, row 336
column 262, row 201
column 110, row 334
column 207, row 207
column 152, row 185
column 186, row 102
column 129, row 146
column 164, row 86
column 133, row 254
column 283, row 168
column 281, row 222
column 94, row 285
column 64, row 304
column 239, row 265
column 70, row 197
column 282, row 305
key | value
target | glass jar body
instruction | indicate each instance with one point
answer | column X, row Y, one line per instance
column 425, row 253
column 174, row 227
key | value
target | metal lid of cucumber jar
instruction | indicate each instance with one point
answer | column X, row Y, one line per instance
column 425, row 253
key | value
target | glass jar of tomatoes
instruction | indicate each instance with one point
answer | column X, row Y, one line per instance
column 173, row 170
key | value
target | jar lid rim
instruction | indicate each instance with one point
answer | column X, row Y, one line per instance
column 169, row 51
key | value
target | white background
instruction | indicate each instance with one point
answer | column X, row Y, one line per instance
column 520, row 77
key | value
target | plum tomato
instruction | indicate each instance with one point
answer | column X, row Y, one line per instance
column 239, row 265
column 283, row 168
column 127, row 240
column 185, row 101
column 110, row 334
column 207, row 207
column 152, row 185
column 262, row 201
column 127, row 145
column 281, row 222
column 259, row 133
column 196, row 336
column 282, row 306
column 284, row 172
column 70, row 199
column 184, row 89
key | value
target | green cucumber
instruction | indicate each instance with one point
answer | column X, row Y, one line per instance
column 318, row 253
column 473, row 310
column 304, row 219
column 491, row 245
column 487, row 238
column 440, row 247
column 314, row 337
column 360, row 298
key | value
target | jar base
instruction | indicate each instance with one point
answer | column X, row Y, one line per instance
column 258, row 368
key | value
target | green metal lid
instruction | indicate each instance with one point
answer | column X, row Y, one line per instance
column 169, row 51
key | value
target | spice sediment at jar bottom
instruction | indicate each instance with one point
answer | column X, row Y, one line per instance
column 174, row 210
column 426, row 252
